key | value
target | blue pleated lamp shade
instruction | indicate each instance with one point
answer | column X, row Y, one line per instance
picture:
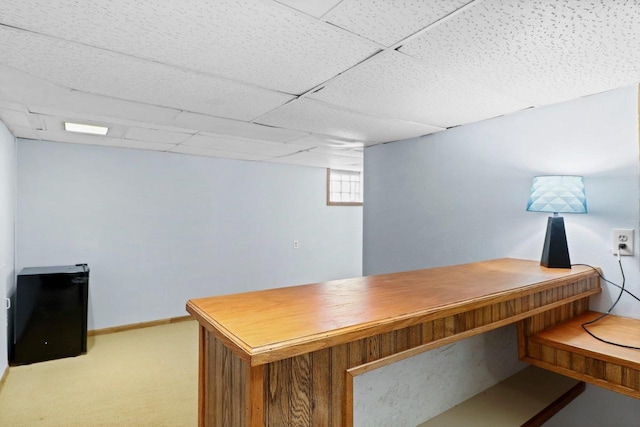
column 557, row 194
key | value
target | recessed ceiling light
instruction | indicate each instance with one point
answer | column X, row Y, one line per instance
column 78, row 127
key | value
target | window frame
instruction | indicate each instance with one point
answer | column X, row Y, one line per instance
column 331, row 203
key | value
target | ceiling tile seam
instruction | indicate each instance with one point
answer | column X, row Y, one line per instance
column 122, row 138
column 210, row 150
column 255, row 119
column 205, row 133
column 371, row 115
column 35, row 121
column 102, row 95
column 355, row 34
column 149, row 104
column 331, row 10
column 397, row 45
column 306, row 150
column 13, row 106
column 309, row 15
column 355, row 162
column 234, row 138
column 150, row 60
column 292, row 138
column 323, row 84
column 334, row 27
column 316, row 88
column 185, row 135
column 324, row 136
column 199, row 133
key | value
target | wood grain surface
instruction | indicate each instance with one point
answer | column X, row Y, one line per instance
column 264, row 326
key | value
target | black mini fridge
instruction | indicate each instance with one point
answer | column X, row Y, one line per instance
column 49, row 319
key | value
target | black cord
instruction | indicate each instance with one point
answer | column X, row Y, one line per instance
column 622, row 291
column 609, row 281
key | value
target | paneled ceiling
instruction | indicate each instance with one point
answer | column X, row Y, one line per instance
column 295, row 81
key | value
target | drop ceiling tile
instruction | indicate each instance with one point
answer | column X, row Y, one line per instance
column 101, row 72
column 78, row 138
column 536, row 50
column 326, row 141
column 14, row 118
column 327, row 145
column 316, row 117
column 21, row 118
column 223, row 126
column 258, row 42
column 240, row 145
column 208, row 152
column 393, row 84
column 388, row 22
column 21, row 88
column 340, row 152
column 122, row 111
column 14, row 106
column 156, row 135
column 22, row 132
column 315, row 8
column 321, row 160
column 41, row 96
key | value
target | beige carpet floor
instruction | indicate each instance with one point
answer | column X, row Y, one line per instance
column 142, row 377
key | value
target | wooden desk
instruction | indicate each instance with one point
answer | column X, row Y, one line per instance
column 280, row 357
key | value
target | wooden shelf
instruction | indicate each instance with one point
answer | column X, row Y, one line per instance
column 528, row 398
column 567, row 349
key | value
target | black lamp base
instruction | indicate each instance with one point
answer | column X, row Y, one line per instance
column 555, row 252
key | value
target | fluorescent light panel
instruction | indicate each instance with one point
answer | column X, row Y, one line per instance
column 82, row 128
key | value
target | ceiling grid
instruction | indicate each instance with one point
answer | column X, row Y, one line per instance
column 298, row 82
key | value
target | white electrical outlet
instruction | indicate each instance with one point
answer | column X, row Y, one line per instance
column 623, row 237
column 296, row 244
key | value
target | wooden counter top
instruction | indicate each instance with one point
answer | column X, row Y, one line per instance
column 268, row 323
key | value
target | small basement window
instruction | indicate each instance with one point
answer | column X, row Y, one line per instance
column 344, row 188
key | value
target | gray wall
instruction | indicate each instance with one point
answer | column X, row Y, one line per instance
column 7, row 210
column 460, row 196
column 157, row 229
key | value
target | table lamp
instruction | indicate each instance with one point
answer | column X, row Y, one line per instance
column 557, row 194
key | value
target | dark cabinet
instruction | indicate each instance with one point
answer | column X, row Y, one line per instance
column 49, row 314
